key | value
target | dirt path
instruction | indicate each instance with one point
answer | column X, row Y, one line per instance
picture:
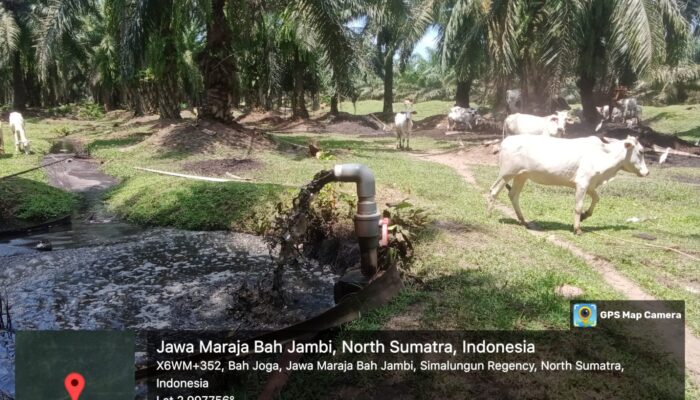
column 460, row 160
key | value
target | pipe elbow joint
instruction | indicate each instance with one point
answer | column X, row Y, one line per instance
column 359, row 174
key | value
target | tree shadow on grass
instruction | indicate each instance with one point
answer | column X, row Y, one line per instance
column 478, row 300
column 546, row 226
column 102, row 144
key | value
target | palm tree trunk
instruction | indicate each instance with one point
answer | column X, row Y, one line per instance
column 334, row 104
column 218, row 66
column 299, row 106
column 463, row 94
column 388, row 84
column 168, row 98
column 20, row 93
column 586, row 85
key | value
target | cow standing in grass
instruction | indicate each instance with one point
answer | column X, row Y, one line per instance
column 403, row 125
column 17, row 128
column 583, row 164
column 526, row 124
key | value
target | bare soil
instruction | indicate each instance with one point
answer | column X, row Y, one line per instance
column 204, row 136
column 342, row 123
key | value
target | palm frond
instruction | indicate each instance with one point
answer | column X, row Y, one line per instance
column 9, row 34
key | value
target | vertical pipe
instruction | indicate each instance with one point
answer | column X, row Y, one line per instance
column 367, row 217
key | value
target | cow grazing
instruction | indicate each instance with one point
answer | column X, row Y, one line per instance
column 17, row 128
column 468, row 117
column 583, row 164
column 526, row 124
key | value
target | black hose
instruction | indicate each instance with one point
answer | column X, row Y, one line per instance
column 35, row 168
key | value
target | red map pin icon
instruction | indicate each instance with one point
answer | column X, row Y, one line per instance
column 75, row 383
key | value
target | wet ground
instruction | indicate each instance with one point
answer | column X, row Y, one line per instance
column 107, row 274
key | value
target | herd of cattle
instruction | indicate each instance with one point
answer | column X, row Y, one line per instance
column 535, row 149
column 17, row 128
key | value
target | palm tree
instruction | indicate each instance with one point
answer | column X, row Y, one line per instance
column 16, row 46
column 463, row 46
column 620, row 41
column 396, row 26
column 539, row 41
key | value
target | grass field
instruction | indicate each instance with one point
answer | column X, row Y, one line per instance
column 423, row 110
column 29, row 197
column 476, row 272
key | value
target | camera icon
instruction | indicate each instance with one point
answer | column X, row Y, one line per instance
column 585, row 315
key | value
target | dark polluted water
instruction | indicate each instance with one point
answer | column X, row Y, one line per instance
column 107, row 274
column 161, row 279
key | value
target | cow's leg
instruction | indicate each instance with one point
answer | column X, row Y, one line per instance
column 408, row 141
column 493, row 193
column 514, row 194
column 594, row 201
column 16, row 136
column 578, row 209
column 25, row 142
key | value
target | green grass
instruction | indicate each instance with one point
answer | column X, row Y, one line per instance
column 28, row 199
column 424, row 109
column 680, row 120
column 668, row 209
column 479, row 272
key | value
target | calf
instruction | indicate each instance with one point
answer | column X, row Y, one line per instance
column 17, row 128
column 583, row 164
column 526, row 124
column 403, row 124
column 468, row 117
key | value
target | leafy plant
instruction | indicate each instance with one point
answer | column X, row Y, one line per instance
column 406, row 221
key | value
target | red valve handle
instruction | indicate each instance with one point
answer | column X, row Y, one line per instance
column 384, row 241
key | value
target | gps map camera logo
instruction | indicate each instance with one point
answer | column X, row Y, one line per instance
column 585, row 315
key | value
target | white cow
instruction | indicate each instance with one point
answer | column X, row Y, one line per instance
column 627, row 110
column 17, row 128
column 583, row 164
column 468, row 117
column 526, row 124
column 605, row 113
column 403, row 124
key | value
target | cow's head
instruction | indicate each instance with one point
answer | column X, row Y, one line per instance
column 634, row 158
column 560, row 119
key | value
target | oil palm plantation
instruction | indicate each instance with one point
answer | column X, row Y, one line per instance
column 538, row 42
